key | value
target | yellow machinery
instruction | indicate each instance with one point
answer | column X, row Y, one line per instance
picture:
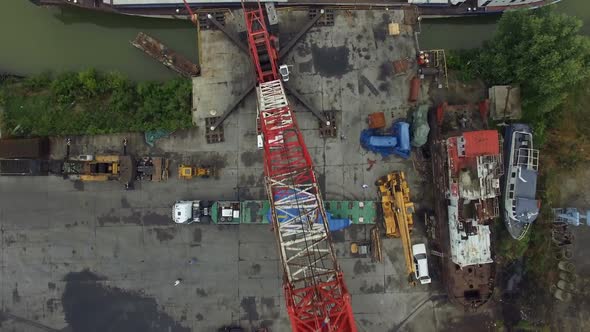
column 188, row 172
column 398, row 213
column 101, row 168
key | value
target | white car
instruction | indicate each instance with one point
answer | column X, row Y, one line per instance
column 421, row 263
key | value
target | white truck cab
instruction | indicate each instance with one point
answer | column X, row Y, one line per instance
column 421, row 263
column 188, row 212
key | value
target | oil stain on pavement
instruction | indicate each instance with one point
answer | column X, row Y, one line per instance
column 91, row 306
column 331, row 61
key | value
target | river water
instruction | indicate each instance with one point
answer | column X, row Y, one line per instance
column 34, row 39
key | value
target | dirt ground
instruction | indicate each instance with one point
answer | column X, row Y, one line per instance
column 570, row 190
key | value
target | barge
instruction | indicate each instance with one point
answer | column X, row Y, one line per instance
column 467, row 167
column 175, row 9
column 521, row 208
column 165, row 55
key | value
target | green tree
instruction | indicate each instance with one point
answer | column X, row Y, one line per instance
column 65, row 88
column 540, row 50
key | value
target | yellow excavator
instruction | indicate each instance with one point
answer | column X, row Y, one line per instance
column 398, row 211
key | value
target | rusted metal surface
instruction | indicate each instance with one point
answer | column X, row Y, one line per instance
column 206, row 22
column 327, row 18
column 371, row 163
column 165, row 55
column 328, row 130
column 377, row 120
column 400, row 67
column 213, row 135
column 472, row 286
column 414, row 90
column 24, row 148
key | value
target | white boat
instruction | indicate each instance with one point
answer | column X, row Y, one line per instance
column 521, row 208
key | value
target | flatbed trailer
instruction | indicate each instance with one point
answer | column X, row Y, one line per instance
column 256, row 212
column 24, row 167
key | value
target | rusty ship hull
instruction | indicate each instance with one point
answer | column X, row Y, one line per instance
column 470, row 286
column 165, row 55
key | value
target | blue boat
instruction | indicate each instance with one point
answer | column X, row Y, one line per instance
column 521, row 207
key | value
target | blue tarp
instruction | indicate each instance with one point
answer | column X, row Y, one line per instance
column 395, row 140
column 334, row 224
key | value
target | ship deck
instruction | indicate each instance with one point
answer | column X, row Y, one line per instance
column 175, row 8
column 461, row 283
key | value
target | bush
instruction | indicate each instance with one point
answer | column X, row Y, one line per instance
column 541, row 51
column 90, row 102
column 465, row 62
column 38, row 82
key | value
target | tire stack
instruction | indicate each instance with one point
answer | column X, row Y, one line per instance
column 563, row 251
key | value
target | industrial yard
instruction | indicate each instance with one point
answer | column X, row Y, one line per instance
column 65, row 242
column 332, row 180
column 54, row 231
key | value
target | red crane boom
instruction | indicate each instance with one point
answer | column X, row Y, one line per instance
column 317, row 298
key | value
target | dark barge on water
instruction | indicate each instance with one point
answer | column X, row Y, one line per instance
column 175, row 9
column 165, row 55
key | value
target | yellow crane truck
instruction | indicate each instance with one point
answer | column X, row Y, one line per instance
column 398, row 211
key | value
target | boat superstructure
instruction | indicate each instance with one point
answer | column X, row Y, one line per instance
column 521, row 208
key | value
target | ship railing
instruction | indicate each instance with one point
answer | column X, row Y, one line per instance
column 528, row 158
column 496, row 207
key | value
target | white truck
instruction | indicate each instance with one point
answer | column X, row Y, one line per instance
column 188, row 212
column 218, row 212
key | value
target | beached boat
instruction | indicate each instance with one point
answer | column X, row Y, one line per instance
column 467, row 167
column 521, row 208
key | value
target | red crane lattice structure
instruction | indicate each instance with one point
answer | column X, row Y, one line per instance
column 317, row 298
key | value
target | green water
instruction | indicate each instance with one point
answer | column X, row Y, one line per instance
column 471, row 32
column 35, row 39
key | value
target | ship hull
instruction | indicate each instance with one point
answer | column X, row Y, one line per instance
column 178, row 11
column 470, row 287
column 515, row 227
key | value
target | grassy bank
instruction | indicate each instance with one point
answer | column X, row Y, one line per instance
column 90, row 102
